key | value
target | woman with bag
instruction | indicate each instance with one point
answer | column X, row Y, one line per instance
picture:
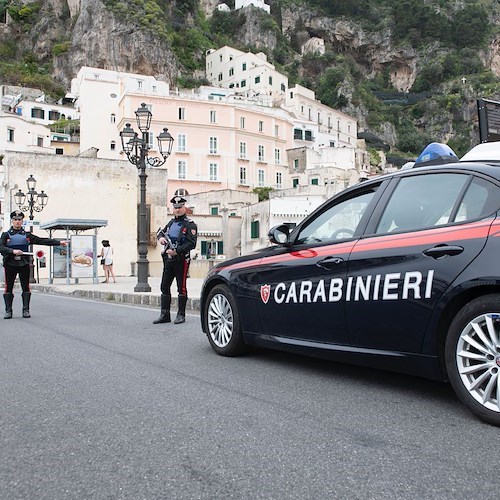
column 106, row 256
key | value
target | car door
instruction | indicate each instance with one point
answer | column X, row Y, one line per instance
column 302, row 286
column 420, row 241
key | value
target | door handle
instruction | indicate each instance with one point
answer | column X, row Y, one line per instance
column 330, row 262
column 443, row 250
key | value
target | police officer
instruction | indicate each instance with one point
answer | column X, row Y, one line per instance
column 13, row 244
column 178, row 238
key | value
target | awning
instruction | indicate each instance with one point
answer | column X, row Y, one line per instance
column 73, row 224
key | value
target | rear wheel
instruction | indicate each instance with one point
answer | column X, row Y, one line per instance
column 222, row 322
column 472, row 355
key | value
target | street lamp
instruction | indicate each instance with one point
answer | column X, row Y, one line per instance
column 136, row 148
column 34, row 202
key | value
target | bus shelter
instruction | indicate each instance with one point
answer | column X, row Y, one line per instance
column 78, row 259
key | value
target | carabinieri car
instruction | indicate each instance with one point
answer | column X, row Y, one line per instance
column 400, row 272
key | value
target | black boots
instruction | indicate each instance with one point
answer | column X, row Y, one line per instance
column 8, row 298
column 164, row 310
column 181, row 315
column 26, row 304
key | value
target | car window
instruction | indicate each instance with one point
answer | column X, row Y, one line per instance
column 482, row 198
column 337, row 222
column 421, row 201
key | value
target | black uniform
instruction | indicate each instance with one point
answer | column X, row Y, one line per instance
column 19, row 264
column 181, row 234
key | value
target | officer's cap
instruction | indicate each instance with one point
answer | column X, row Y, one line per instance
column 17, row 214
column 178, row 201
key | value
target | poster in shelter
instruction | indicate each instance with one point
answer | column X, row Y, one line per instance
column 82, row 256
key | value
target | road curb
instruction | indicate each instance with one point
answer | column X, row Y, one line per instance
column 136, row 298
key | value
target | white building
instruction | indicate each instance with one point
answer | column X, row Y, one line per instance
column 18, row 134
column 244, row 72
column 240, row 4
column 99, row 94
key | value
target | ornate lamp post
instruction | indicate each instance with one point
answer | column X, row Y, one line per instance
column 136, row 148
column 34, row 202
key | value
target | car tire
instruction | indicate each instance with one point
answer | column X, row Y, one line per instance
column 222, row 322
column 472, row 356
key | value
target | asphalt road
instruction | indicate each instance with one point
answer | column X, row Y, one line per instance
column 97, row 402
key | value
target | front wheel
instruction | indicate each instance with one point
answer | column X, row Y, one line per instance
column 222, row 322
column 472, row 355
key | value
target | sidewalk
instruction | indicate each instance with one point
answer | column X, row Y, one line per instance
column 121, row 291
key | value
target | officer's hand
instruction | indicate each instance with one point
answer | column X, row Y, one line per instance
column 17, row 252
column 171, row 252
column 64, row 243
column 162, row 240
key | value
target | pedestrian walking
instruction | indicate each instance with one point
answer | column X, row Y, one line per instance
column 106, row 256
column 178, row 238
column 14, row 245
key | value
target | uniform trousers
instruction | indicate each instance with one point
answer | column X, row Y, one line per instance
column 176, row 268
column 10, row 277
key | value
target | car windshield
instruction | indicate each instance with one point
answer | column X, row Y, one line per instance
column 336, row 222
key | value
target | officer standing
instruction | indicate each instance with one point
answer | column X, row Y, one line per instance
column 13, row 245
column 178, row 238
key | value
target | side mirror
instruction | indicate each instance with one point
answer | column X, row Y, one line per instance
column 279, row 234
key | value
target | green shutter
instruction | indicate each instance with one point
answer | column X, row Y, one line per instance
column 204, row 248
column 220, row 248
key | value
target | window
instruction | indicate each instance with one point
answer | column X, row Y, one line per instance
column 260, row 175
column 139, row 84
column 283, row 88
column 480, row 200
column 54, row 115
column 295, row 182
column 151, row 139
column 181, row 169
column 261, row 126
column 113, row 118
column 112, row 145
column 421, row 201
column 182, row 113
column 308, row 136
column 254, row 229
column 243, row 150
column 244, row 66
column 257, row 79
column 345, row 214
column 181, row 143
column 231, row 71
column 213, row 146
column 213, row 167
column 213, row 116
column 261, row 153
column 10, row 134
column 332, row 144
column 243, row 175
column 220, row 77
column 314, row 182
column 59, row 151
column 243, row 83
column 270, row 80
column 214, row 210
column 39, row 141
column 37, row 113
column 277, row 156
column 297, row 134
column 279, row 180
column 276, row 130
column 242, row 122
column 296, row 163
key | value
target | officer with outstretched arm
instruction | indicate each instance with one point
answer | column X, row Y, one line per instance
column 178, row 238
column 14, row 244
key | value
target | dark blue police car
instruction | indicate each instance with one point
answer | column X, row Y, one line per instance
column 401, row 272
